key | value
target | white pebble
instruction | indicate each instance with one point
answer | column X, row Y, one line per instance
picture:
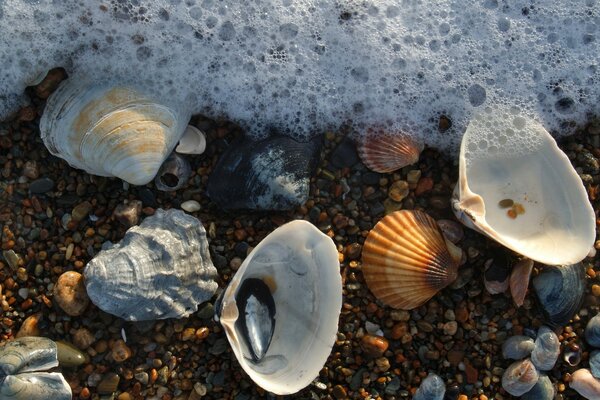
column 190, row 206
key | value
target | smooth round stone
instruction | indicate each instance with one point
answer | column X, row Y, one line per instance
column 109, row 383
column 595, row 363
column 41, row 185
column 190, row 206
column 69, row 355
column 70, row 294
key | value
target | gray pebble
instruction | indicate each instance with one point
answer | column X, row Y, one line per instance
column 41, row 185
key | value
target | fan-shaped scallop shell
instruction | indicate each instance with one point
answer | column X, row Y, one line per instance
column 384, row 153
column 406, row 260
column 111, row 130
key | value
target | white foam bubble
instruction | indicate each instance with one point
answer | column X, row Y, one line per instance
column 306, row 66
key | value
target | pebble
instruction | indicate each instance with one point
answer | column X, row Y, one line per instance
column 83, row 338
column 344, row 155
column 398, row 190
column 190, row 206
column 128, row 214
column 120, row 351
column 31, row 169
column 339, row 392
column 81, row 211
column 142, row 377
column 450, row 328
column 69, row 355
column 70, row 293
column 41, row 186
column 30, row 326
column 12, row 258
column 109, row 383
column 374, row 346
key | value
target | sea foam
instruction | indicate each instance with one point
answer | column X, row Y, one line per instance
column 302, row 67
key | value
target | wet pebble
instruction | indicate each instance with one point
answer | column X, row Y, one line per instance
column 69, row 355
column 128, row 214
column 70, row 294
column 120, row 351
column 344, row 155
column 83, row 338
column 81, row 211
column 374, row 346
column 109, row 383
column 40, row 186
column 12, row 258
column 190, row 206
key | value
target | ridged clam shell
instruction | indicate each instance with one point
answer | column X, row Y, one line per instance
column 280, row 311
column 509, row 169
column 546, row 349
column 543, row 390
column 111, row 130
column 585, row 384
column 406, row 261
column 386, row 152
column 160, row 269
column 517, row 347
column 560, row 291
column 21, row 363
column 520, row 377
column 431, row 388
column 592, row 331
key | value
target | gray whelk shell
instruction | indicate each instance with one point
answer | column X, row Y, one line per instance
column 281, row 309
column 517, row 347
column 560, row 291
column 585, row 384
column 546, row 350
column 431, row 388
column 592, row 331
column 520, row 377
column 543, row 390
column 161, row 269
column 19, row 361
column 173, row 173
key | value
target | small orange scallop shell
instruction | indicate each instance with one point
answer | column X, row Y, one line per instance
column 384, row 153
column 406, row 261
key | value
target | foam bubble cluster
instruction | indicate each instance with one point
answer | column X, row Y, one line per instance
column 305, row 66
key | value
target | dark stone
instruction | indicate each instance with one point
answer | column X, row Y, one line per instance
column 370, row 178
column 147, row 196
column 344, row 155
column 41, row 185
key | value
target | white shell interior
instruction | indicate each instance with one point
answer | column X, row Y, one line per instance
column 111, row 130
column 193, row 141
column 300, row 265
column 505, row 155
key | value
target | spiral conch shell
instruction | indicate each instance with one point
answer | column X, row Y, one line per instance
column 406, row 259
column 111, row 130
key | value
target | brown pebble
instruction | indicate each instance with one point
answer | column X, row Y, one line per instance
column 339, row 392
column 83, row 338
column 30, row 326
column 188, row 334
column 120, row 352
column 124, row 396
column 202, row 333
column 374, row 346
column 128, row 214
column 596, row 290
column 471, row 372
column 424, row 185
column 398, row 190
column 85, row 393
column 109, row 383
column 399, row 330
column 70, row 293
column 463, row 397
column 352, row 251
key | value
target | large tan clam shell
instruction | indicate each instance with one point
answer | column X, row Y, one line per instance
column 111, row 130
column 383, row 152
column 406, row 261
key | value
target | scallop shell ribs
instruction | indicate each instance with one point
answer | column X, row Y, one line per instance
column 406, row 260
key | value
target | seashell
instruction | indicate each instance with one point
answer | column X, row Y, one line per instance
column 431, row 388
column 111, row 130
column 560, row 291
column 406, row 261
column 497, row 272
column 173, row 174
column 520, row 377
column 519, row 280
column 193, row 141
column 280, row 311
column 572, row 356
column 384, row 152
column 543, row 390
column 595, row 363
column 584, row 383
column 546, row 350
column 271, row 174
column 160, row 269
column 21, row 363
column 592, row 331
column 510, row 169
column 517, row 347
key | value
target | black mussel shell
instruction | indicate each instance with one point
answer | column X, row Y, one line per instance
column 560, row 291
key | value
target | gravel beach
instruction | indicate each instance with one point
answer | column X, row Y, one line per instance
column 55, row 219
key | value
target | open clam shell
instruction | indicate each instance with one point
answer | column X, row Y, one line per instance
column 280, row 311
column 111, row 130
column 384, row 152
column 406, row 260
column 517, row 187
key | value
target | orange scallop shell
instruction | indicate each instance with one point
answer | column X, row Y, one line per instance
column 405, row 260
column 384, row 153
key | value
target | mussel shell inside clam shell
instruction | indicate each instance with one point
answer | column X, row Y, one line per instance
column 256, row 305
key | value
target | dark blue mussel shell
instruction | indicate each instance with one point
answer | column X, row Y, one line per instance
column 270, row 174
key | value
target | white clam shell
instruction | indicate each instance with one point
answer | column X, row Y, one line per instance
column 111, row 130
column 193, row 141
column 160, row 269
column 300, row 267
column 508, row 158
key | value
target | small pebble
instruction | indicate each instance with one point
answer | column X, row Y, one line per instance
column 190, row 206
column 374, row 346
column 109, row 383
column 70, row 293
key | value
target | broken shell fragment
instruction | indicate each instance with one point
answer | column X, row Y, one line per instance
column 552, row 284
column 384, row 152
column 21, row 364
column 160, row 269
column 520, row 377
column 432, row 388
column 517, row 347
column 193, row 141
column 509, row 170
column 497, row 273
column 111, row 130
column 406, row 260
column 280, row 311
column 546, row 350
column 173, row 173
column 519, row 280
column 584, row 383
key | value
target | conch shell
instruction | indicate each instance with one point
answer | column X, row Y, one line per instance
column 111, row 130
column 517, row 187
